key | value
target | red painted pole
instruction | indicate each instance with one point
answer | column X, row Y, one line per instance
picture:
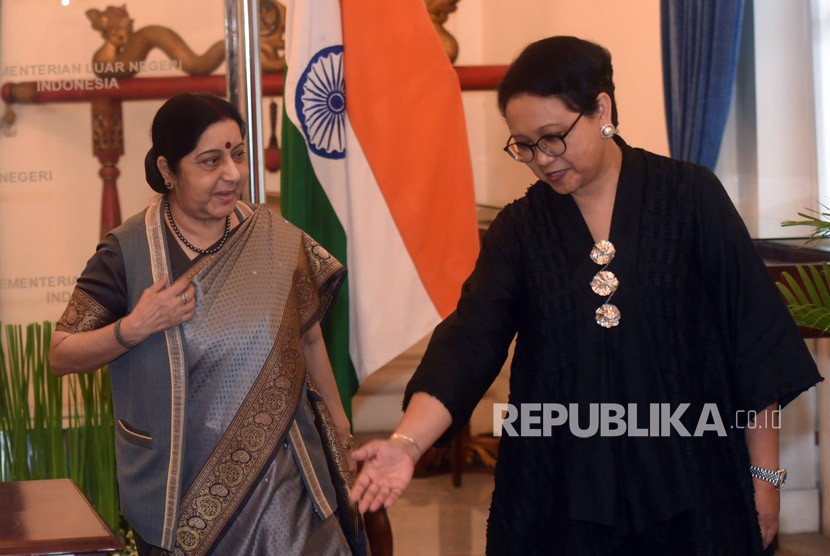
column 471, row 78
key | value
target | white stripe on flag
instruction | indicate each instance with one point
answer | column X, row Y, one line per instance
column 389, row 307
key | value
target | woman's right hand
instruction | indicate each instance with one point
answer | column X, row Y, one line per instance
column 159, row 308
column 388, row 466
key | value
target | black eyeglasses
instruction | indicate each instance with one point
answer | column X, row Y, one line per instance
column 551, row 145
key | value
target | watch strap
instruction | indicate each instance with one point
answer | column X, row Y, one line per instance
column 776, row 478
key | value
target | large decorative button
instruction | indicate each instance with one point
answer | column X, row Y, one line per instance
column 603, row 252
column 608, row 316
column 604, row 283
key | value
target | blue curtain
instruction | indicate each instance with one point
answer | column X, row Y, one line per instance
column 700, row 53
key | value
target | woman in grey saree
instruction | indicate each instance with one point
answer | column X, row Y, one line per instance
column 219, row 373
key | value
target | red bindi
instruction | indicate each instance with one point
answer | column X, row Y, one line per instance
column 228, row 145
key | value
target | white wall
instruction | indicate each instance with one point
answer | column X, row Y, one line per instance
column 495, row 32
column 786, row 135
column 768, row 160
column 821, row 68
column 49, row 227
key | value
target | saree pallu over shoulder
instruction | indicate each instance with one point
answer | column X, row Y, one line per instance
column 254, row 299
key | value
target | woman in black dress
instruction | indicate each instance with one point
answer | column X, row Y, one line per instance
column 652, row 349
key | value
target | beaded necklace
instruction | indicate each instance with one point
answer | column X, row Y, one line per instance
column 190, row 245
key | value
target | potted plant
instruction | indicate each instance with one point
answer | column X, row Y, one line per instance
column 56, row 427
column 808, row 292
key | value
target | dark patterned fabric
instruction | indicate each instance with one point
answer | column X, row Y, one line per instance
column 701, row 323
column 83, row 313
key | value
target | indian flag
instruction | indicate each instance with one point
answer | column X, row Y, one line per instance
column 376, row 167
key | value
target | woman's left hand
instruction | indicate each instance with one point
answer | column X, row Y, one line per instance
column 767, row 503
column 388, row 466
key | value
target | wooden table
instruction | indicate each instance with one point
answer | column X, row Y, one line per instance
column 51, row 517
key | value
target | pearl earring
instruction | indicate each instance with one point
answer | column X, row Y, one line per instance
column 168, row 185
column 607, row 131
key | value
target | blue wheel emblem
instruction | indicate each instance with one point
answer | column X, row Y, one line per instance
column 321, row 103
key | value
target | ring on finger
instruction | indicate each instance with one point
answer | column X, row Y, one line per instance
column 184, row 298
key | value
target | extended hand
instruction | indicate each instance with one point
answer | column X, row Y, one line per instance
column 159, row 308
column 767, row 503
column 387, row 470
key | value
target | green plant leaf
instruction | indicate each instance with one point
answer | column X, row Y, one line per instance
column 808, row 295
column 55, row 435
column 793, row 292
column 820, row 222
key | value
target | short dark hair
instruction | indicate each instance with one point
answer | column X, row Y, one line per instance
column 178, row 126
column 572, row 69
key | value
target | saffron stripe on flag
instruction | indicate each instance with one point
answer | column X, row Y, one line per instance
column 405, row 106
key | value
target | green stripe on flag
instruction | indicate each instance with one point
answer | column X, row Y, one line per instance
column 305, row 204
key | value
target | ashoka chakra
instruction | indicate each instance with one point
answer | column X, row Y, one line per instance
column 321, row 103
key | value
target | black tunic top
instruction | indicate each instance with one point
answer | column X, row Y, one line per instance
column 701, row 324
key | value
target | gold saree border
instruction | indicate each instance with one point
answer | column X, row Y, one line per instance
column 336, row 454
column 160, row 265
column 325, row 272
column 313, row 482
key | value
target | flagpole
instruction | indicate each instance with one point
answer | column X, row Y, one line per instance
column 245, row 83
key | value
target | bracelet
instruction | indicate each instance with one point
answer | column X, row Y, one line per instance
column 120, row 339
column 408, row 439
